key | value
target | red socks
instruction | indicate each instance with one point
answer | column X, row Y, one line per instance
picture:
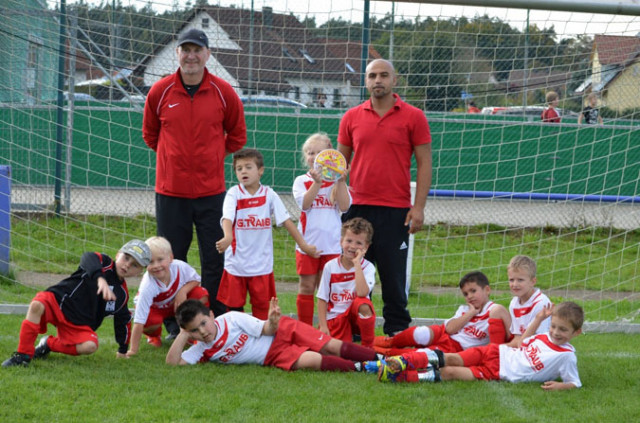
column 331, row 363
column 356, row 352
column 497, row 331
column 404, row 338
column 305, row 304
column 367, row 327
column 28, row 334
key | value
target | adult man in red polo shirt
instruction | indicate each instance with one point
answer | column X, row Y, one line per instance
column 382, row 134
column 192, row 119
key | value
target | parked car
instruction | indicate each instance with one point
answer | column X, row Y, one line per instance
column 79, row 97
column 529, row 111
column 269, row 101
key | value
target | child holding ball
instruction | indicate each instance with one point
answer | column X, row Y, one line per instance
column 322, row 203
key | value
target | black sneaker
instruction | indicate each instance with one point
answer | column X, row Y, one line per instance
column 17, row 359
column 42, row 349
column 172, row 327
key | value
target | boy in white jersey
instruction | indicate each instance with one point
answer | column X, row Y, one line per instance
column 344, row 307
column 540, row 358
column 247, row 241
column 280, row 341
column 528, row 300
column 321, row 203
column 166, row 284
column 479, row 322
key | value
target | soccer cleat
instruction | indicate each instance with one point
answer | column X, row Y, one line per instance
column 393, row 369
column 373, row 366
column 17, row 359
column 382, row 341
column 155, row 341
column 431, row 374
column 172, row 327
column 42, row 349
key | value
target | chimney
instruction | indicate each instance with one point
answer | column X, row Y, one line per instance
column 267, row 16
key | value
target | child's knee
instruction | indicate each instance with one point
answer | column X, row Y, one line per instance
column 87, row 348
column 364, row 310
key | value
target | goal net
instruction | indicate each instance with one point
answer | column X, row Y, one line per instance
column 78, row 176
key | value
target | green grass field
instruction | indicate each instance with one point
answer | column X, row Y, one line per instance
column 99, row 388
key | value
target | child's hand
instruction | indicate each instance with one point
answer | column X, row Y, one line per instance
column 545, row 312
column 223, row 244
column 358, row 257
column 310, row 250
column 324, row 329
column 343, row 178
column 104, row 290
column 315, row 175
column 274, row 312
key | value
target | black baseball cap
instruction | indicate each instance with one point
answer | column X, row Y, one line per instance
column 194, row 36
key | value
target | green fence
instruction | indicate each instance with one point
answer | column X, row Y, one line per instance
column 487, row 154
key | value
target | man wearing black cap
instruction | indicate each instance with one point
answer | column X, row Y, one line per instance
column 192, row 119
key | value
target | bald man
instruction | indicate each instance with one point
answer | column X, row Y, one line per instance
column 379, row 138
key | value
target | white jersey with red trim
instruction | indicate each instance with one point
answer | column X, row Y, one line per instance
column 154, row 293
column 239, row 340
column 320, row 224
column 539, row 360
column 476, row 332
column 523, row 314
column 338, row 285
column 251, row 251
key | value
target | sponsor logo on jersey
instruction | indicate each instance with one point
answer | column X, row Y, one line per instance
column 533, row 355
column 253, row 222
column 322, row 201
column 235, row 348
column 474, row 332
column 345, row 295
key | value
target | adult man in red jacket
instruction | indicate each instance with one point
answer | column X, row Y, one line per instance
column 192, row 119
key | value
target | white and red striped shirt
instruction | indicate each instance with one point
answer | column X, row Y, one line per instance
column 338, row 285
column 320, row 224
column 251, row 251
column 239, row 340
column 476, row 332
column 539, row 360
column 154, row 293
column 523, row 314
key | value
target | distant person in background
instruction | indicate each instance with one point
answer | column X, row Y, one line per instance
column 192, row 120
column 591, row 114
column 550, row 114
column 472, row 108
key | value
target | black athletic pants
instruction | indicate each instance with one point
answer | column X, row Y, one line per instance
column 175, row 218
column 388, row 252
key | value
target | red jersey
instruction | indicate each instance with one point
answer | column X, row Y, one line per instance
column 192, row 135
column 382, row 150
column 550, row 115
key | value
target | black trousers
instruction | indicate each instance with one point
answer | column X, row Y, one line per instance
column 388, row 252
column 175, row 219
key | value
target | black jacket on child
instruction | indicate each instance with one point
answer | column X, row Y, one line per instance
column 80, row 303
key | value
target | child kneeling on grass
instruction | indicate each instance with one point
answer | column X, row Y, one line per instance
column 77, row 306
column 540, row 358
column 238, row 338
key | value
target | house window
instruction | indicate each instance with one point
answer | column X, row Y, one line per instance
column 337, row 98
column 287, row 54
column 31, row 75
column 205, row 23
column 307, row 56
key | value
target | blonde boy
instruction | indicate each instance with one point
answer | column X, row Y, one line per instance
column 591, row 114
column 527, row 300
column 344, row 306
column 478, row 322
column 166, row 284
column 540, row 358
column 248, row 240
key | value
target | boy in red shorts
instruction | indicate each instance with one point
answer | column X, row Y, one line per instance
column 77, row 306
column 166, row 284
column 238, row 338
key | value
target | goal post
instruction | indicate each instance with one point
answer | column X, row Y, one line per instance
column 504, row 183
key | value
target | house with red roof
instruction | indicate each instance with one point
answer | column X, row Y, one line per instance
column 273, row 54
column 615, row 71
